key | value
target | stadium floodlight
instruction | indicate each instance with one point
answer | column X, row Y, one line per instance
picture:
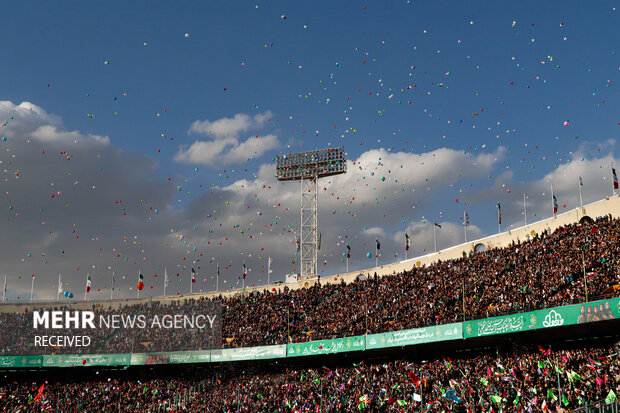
column 308, row 167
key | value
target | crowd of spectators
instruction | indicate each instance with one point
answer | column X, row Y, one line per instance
column 545, row 270
column 530, row 378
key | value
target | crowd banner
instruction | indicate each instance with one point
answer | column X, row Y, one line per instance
column 314, row 348
column 551, row 317
column 415, row 336
column 20, row 361
column 248, row 353
column 87, row 360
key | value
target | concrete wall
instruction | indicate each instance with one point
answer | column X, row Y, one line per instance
column 609, row 206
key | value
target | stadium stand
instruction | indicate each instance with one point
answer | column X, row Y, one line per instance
column 556, row 359
column 547, row 271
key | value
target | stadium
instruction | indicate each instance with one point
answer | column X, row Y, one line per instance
column 526, row 320
column 309, row 206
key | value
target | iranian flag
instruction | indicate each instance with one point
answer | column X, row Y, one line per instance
column 88, row 283
column 193, row 275
column 407, row 242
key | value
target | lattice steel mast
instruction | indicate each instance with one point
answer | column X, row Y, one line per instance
column 308, row 167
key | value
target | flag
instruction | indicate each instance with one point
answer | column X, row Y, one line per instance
column 363, row 401
column 59, row 285
column 499, row 213
column 437, row 225
column 414, row 379
column 580, row 181
column 140, row 276
column 318, row 246
column 348, row 251
column 378, row 244
column 270, row 270
column 40, row 393
column 613, row 171
column 611, row 397
column 113, row 280
column 555, row 205
column 297, row 243
column 451, row 395
column 218, row 270
column 88, row 283
column 496, row 399
column 193, row 275
column 407, row 242
column 466, row 219
column 245, row 271
column 5, row 285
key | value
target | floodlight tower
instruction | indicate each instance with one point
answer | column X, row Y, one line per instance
column 308, row 167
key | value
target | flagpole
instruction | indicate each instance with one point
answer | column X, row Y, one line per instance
column 406, row 245
column 580, row 197
column 217, row 279
column 32, row 289
column 112, row 289
column 191, row 284
column 4, row 289
column 552, row 203
column 138, row 296
column 85, row 286
column 499, row 222
column 165, row 280
column 613, row 183
column 585, row 278
column 435, row 235
column 268, row 268
column 57, row 289
column 524, row 210
column 376, row 253
column 465, row 225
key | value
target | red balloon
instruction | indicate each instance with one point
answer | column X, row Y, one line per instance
column 140, row 285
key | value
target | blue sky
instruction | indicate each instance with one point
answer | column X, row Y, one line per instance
column 181, row 107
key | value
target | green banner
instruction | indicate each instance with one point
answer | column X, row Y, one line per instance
column 20, row 361
column 179, row 357
column 76, row 360
column 338, row 345
column 141, row 359
column 248, row 353
column 552, row 317
column 415, row 336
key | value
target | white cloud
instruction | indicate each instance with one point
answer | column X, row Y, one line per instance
column 226, row 147
column 51, row 133
column 226, row 150
column 594, row 169
column 230, row 126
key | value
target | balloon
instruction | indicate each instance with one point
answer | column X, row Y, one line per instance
column 368, row 255
column 140, row 285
